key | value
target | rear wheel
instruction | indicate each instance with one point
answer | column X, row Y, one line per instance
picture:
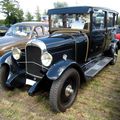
column 4, row 72
column 64, row 90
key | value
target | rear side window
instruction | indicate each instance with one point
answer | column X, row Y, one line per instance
column 98, row 19
column 110, row 19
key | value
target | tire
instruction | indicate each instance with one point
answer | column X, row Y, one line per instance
column 4, row 72
column 114, row 55
column 119, row 45
column 63, row 91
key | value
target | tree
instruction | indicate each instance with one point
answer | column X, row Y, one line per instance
column 45, row 12
column 38, row 15
column 60, row 4
column 12, row 11
column 29, row 16
column 2, row 22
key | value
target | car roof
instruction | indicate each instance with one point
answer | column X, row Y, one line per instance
column 78, row 9
column 32, row 24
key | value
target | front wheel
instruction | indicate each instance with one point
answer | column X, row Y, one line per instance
column 64, row 90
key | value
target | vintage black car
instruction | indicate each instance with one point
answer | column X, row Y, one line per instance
column 79, row 46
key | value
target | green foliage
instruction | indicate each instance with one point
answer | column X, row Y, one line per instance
column 2, row 22
column 37, row 14
column 28, row 17
column 12, row 11
column 45, row 12
column 60, row 4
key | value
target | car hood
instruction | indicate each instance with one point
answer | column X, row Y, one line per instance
column 56, row 40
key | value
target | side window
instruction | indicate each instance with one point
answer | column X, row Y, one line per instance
column 39, row 31
column 116, row 19
column 110, row 20
column 98, row 19
column 46, row 30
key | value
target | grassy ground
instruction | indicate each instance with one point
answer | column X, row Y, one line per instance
column 98, row 100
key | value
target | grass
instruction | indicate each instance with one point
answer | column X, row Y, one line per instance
column 99, row 99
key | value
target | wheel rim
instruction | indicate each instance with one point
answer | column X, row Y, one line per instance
column 68, row 92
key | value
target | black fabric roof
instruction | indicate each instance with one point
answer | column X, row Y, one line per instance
column 78, row 9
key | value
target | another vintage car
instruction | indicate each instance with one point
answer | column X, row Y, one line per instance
column 20, row 33
column 79, row 46
column 3, row 30
column 117, row 35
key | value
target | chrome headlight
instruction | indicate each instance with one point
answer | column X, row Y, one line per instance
column 46, row 59
column 16, row 53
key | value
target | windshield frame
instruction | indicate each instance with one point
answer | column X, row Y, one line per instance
column 51, row 29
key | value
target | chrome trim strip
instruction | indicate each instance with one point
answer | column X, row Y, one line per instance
column 37, row 64
column 87, row 50
column 75, row 50
column 37, row 43
column 34, row 75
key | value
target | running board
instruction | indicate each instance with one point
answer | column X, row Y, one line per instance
column 91, row 72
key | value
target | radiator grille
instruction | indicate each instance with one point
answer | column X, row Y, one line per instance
column 33, row 61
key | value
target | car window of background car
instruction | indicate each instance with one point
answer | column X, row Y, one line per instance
column 46, row 30
column 21, row 31
column 39, row 31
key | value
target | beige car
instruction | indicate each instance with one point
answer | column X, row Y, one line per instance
column 20, row 33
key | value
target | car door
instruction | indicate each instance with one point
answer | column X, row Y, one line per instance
column 98, row 34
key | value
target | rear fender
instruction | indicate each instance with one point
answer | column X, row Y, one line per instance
column 115, row 42
column 59, row 68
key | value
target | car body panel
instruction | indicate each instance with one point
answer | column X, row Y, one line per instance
column 68, row 47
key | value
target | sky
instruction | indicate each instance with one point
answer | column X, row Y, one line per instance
column 30, row 5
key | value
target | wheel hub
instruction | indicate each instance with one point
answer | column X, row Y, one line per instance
column 69, row 90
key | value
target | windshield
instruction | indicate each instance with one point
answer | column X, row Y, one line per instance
column 73, row 21
column 19, row 30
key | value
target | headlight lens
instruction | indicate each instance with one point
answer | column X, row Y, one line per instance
column 46, row 59
column 16, row 53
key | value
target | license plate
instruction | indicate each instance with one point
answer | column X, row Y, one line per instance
column 30, row 82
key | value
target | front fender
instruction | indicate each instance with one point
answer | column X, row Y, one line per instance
column 58, row 69
column 6, row 59
column 15, row 73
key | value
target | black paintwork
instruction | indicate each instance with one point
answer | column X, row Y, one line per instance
column 71, row 44
column 78, row 9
